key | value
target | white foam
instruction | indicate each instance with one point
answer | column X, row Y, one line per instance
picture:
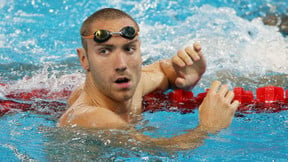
column 229, row 41
column 54, row 82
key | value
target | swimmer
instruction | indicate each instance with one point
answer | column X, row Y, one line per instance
column 116, row 81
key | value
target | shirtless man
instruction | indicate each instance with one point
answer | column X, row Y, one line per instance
column 111, row 97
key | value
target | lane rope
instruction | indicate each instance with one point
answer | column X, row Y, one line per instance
column 269, row 99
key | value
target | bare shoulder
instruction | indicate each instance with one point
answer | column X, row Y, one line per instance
column 91, row 117
column 75, row 95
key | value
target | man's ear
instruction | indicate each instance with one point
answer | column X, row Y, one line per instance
column 83, row 58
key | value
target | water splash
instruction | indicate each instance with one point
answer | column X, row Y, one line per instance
column 231, row 44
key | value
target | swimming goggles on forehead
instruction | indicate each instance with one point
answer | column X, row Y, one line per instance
column 102, row 35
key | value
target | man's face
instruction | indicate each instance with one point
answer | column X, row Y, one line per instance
column 115, row 65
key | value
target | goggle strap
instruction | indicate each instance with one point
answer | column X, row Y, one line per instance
column 88, row 37
column 116, row 33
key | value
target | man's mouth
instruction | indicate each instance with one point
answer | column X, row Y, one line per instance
column 123, row 83
column 122, row 80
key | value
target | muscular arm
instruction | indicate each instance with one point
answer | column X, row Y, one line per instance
column 103, row 119
column 215, row 113
column 183, row 70
column 190, row 140
column 153, row 78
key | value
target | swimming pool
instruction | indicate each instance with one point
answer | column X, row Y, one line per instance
column 37, row 50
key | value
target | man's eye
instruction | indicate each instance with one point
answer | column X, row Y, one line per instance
column 103, row 51
column 130, row 49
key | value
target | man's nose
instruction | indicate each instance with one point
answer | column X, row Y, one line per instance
column 120, row 62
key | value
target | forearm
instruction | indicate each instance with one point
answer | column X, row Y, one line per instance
column 193, row 139
column 169, row 72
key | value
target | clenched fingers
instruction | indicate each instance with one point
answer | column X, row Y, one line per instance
column 184, row 56
column 192, row 53
column 178, row 61
column 187, row 56
column 197, row 47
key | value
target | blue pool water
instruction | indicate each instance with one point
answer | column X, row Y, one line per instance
column 37, row 50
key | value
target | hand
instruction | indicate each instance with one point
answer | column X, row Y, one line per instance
column 189, row 65
column 217, row 109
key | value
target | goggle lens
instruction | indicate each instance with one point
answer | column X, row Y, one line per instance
column 128, row 32
column 101, row 35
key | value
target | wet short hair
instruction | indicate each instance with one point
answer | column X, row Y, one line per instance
column 105, row 13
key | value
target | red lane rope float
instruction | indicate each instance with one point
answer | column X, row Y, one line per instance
column 43, row 101
column 268, row 99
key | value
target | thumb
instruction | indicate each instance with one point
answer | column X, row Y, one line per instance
column 180, row 82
